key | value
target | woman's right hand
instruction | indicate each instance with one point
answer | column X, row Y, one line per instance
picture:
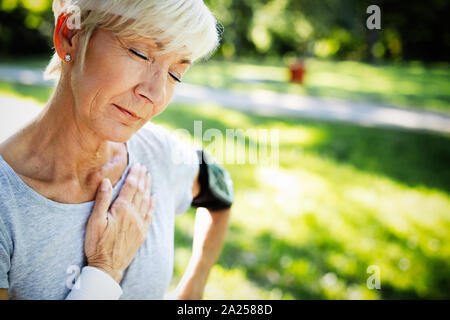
column 113, row 237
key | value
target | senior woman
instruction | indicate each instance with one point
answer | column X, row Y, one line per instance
column 89, row 189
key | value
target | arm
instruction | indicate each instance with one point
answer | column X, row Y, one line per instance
column 112, row 242
column 113, row 236
column 209, row 235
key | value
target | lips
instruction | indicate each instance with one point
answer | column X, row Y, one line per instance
column 126, row 112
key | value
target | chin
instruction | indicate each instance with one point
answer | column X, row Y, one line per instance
column 118, row 132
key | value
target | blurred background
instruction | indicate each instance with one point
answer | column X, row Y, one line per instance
column 364, row 148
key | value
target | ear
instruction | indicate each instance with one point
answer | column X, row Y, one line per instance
column 64, row 38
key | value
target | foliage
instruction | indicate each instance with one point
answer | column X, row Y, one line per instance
column 332, row 28
column 26, row 27
column 411, row 30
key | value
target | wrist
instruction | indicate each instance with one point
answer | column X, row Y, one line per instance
column 189, row 288
column 193, row 283
column 94, row 284
column 188, row 294
column 115, row 274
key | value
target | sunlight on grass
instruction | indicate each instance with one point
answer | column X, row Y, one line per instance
column 223, row 285
column 399, row 85
column 312, row 226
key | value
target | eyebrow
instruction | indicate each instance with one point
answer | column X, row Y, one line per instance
column 185, row 61
column 160, row 46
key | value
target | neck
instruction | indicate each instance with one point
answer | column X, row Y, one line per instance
column 64, row 147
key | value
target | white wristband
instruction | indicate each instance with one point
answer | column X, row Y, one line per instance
column 94, row 284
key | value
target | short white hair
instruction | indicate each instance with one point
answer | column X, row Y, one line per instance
column 186, row 27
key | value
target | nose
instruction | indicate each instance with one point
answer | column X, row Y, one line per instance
column 153, row 88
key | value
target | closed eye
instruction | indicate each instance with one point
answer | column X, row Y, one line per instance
column 137, row 53
column 142, row 56
column 174, row 77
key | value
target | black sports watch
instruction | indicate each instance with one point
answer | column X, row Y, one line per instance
column 216, row 184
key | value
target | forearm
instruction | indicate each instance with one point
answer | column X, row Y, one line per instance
column 209, row 235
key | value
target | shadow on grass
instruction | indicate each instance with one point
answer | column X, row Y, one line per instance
column 410, row 157
column 299, row 270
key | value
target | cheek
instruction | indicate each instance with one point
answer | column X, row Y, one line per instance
column 108, row 73
column 170, row 90
column 99, row 83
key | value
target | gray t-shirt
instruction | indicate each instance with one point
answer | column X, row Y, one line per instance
column 42, row 241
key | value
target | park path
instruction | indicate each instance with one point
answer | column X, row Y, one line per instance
column 277, row 104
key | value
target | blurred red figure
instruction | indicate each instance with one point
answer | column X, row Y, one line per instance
column 297, row 71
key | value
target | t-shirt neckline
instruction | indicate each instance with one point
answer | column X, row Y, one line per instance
column 27, row 191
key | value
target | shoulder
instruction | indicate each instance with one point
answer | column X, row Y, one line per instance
column 12, row 196
column 7, row 187
column 9, row 200
column 5, row 226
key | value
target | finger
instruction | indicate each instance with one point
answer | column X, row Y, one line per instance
column 102, row 200
column 149, row 217
column 139, row 195
column 146, row 198
column 131, row 183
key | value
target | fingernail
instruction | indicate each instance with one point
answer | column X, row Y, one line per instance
column 105, row 184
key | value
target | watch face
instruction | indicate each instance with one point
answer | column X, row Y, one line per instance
column 220, row 182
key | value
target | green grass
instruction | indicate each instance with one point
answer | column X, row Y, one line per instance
column 412, row 85
column 38, row 62
column 342, row 198
column 37, row 94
